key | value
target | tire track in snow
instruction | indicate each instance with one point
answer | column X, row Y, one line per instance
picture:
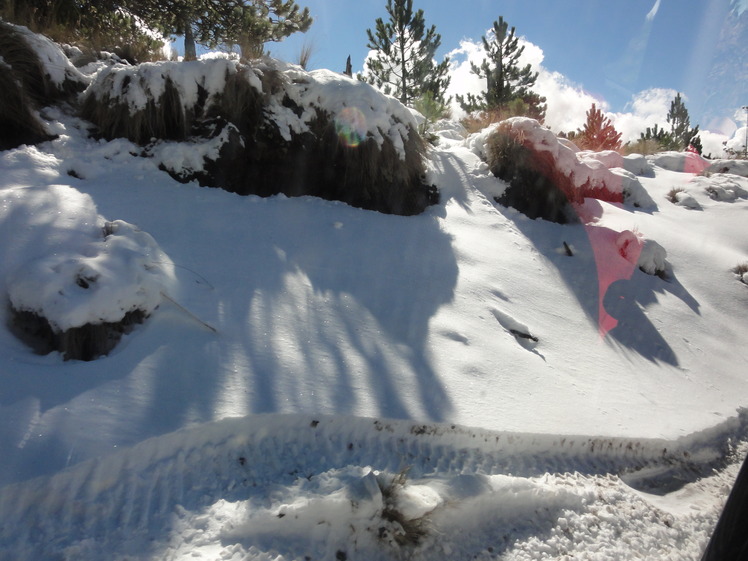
column 137, row 489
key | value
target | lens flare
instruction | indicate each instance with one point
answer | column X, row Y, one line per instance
column 350, row 124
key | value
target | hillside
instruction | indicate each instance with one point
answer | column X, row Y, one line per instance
column 301, row 355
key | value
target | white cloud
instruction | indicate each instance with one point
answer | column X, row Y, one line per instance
column 646, row 109
column 712, row 143
column 653, row 12
column 738, row 141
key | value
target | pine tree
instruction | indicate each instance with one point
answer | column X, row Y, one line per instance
column 505, row 79
column 681, row 132
column 663, row 138
column 247, row 23
column 403, row 64
column 598, row 132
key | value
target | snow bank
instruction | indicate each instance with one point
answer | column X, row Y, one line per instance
column 686, row 162
column 99, row 283
column 735, row 167
column 722, row 187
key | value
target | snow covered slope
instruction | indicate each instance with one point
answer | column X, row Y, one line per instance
column 468, row 315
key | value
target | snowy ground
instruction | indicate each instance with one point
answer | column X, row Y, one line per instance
column 369, row 343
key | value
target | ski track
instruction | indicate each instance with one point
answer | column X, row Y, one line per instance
column 133, row 491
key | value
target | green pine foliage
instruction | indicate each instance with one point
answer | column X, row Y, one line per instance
column 506, row 80
column 93, row 24
column 681, row 132
column 122, row 25
column 404, row 61
column 659, row 137
column 247, row 24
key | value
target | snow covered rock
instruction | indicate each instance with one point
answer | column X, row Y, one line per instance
column 266, row 129
column 684, row 198
column 33, row 73
column 734, row 167
column 545, row 175
column 609, row 158
column 723, row 187
column 638, row 165
column 647, row 254
column 634, row 193
column 80, row 302
column 39, row 64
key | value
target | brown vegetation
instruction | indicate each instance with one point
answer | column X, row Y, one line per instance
column 258, row 159
column 87, row 342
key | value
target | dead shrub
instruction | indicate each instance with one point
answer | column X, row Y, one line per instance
column 645, row 147
column 476, row 122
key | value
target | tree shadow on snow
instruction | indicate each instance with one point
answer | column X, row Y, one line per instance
column 612, row 291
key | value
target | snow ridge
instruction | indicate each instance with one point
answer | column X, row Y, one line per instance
column 111, row 499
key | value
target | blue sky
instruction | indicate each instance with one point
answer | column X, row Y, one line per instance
column 611, row 50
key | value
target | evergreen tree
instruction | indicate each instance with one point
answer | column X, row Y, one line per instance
column 505, row 79
column 403, row 64
column 98, row 24
column 662, row 137
column 598, row 132
column 247, row 23
column 681, row 132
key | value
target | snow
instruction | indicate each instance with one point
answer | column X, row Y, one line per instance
column 359, row 110
column 55, row 64
column 136, row 85
column 308, row 369
column 122, row 271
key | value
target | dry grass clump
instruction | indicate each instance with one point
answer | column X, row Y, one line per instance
column 25, row 86
column 261, row 159
column 397, row 528
column 29, row 70
column 536, row 188
column 163, row 117
column 644, row 147
column 672, row 195
column 18, row 123
column 740, row 270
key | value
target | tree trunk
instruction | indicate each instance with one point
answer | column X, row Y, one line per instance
column 189, row 43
